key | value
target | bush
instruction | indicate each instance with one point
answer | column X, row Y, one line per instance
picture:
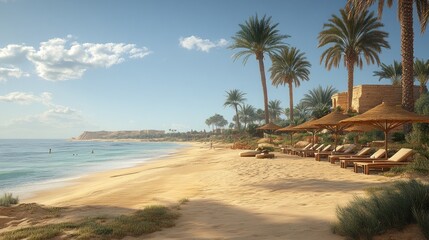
column 8, row 200
column 393, row 207
column 419, row 134
column 398, row 137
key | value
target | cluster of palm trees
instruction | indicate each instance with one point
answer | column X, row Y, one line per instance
column 353, row 37
column 394, row 73
column 315, row 104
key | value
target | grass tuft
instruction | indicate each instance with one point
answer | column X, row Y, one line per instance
column 396, row 206
column 148, row 220
column 7, row 199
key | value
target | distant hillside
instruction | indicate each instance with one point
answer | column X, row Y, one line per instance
column 143, row 134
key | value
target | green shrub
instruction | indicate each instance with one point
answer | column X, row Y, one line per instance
column 398, row 137
column 393, row 207
column 8, row 200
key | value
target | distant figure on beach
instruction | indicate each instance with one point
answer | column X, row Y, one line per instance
column 92, row 152
column 50, row 150
column 211, row 144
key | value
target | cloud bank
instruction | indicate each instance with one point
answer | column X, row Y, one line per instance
column 199, row 44
column 59, row 59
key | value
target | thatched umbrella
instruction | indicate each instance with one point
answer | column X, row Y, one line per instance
column 331, row 122
column 289, row 129
column 271, row 127
column 310, row 127
column 386, row 117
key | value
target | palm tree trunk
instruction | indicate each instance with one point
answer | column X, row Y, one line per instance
column 350, row 72
column 237, row 120
column 407, row 53
column 290, row 103
column 260, row 58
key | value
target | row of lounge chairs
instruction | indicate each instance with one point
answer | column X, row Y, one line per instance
column 361, row 160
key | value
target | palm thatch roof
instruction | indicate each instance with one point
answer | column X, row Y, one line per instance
column 269, row 126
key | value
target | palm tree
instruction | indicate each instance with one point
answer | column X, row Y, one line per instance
column 274, row 110
column 421, row 73
column 319, row 100
column 355, row 35
column 405, row 15
column 392, row 72
column 258, row 37
column 301, row 114
column 235, row 98
column 289, row 67
column 247, row 114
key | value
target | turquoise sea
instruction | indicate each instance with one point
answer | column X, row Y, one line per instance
column 27, row 166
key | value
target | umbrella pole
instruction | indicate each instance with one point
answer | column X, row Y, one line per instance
column 291, row 140
column 385, row 142
column 336, row 140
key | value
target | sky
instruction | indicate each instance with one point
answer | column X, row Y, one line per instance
column 73, row 66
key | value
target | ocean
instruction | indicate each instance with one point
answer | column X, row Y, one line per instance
column 27, row 166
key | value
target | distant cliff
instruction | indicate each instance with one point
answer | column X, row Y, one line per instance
column 142, row 134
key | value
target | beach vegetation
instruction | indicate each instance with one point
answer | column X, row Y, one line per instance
column 247, row 115
column 235, row 99
column 258, row 36
column 405, row 16
column 275, row 110
column 148, row 220
column 318, row 100
column 289, row 67
column 356, row 36
column 420, row 133
column 8, row 199
column 392, row 72
column 216, row 121
column 421, row 74
column 394, row 206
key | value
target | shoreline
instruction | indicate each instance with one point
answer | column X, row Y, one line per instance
column 29, row 190
column 229, row 197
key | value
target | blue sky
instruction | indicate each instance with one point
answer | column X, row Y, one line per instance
column 71, row 66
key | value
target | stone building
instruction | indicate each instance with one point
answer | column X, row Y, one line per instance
column 366, row 97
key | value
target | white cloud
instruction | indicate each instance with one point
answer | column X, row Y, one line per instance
column 11, row 72
column 58, row 59
column 200, row 44
column 27, row 98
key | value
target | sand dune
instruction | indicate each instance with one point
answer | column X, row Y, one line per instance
column 229, row 197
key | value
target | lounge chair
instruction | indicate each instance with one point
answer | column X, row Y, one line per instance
column 310, row 153
column 315, row 147
column 319, row 155
column 378, row 155
column 294, row 150
column 362, row 153
column 398, row 159
column 288, row 150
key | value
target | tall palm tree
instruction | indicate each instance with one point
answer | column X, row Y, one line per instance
column 319, row 100
column 258, row 37
column 234, row 98
column 356, row 36
column 274, row 110
column 392, row 72
column 405, row 15
column 289, row 67
column 421, row 73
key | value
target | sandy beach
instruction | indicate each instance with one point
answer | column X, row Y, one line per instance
column 229, row 197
